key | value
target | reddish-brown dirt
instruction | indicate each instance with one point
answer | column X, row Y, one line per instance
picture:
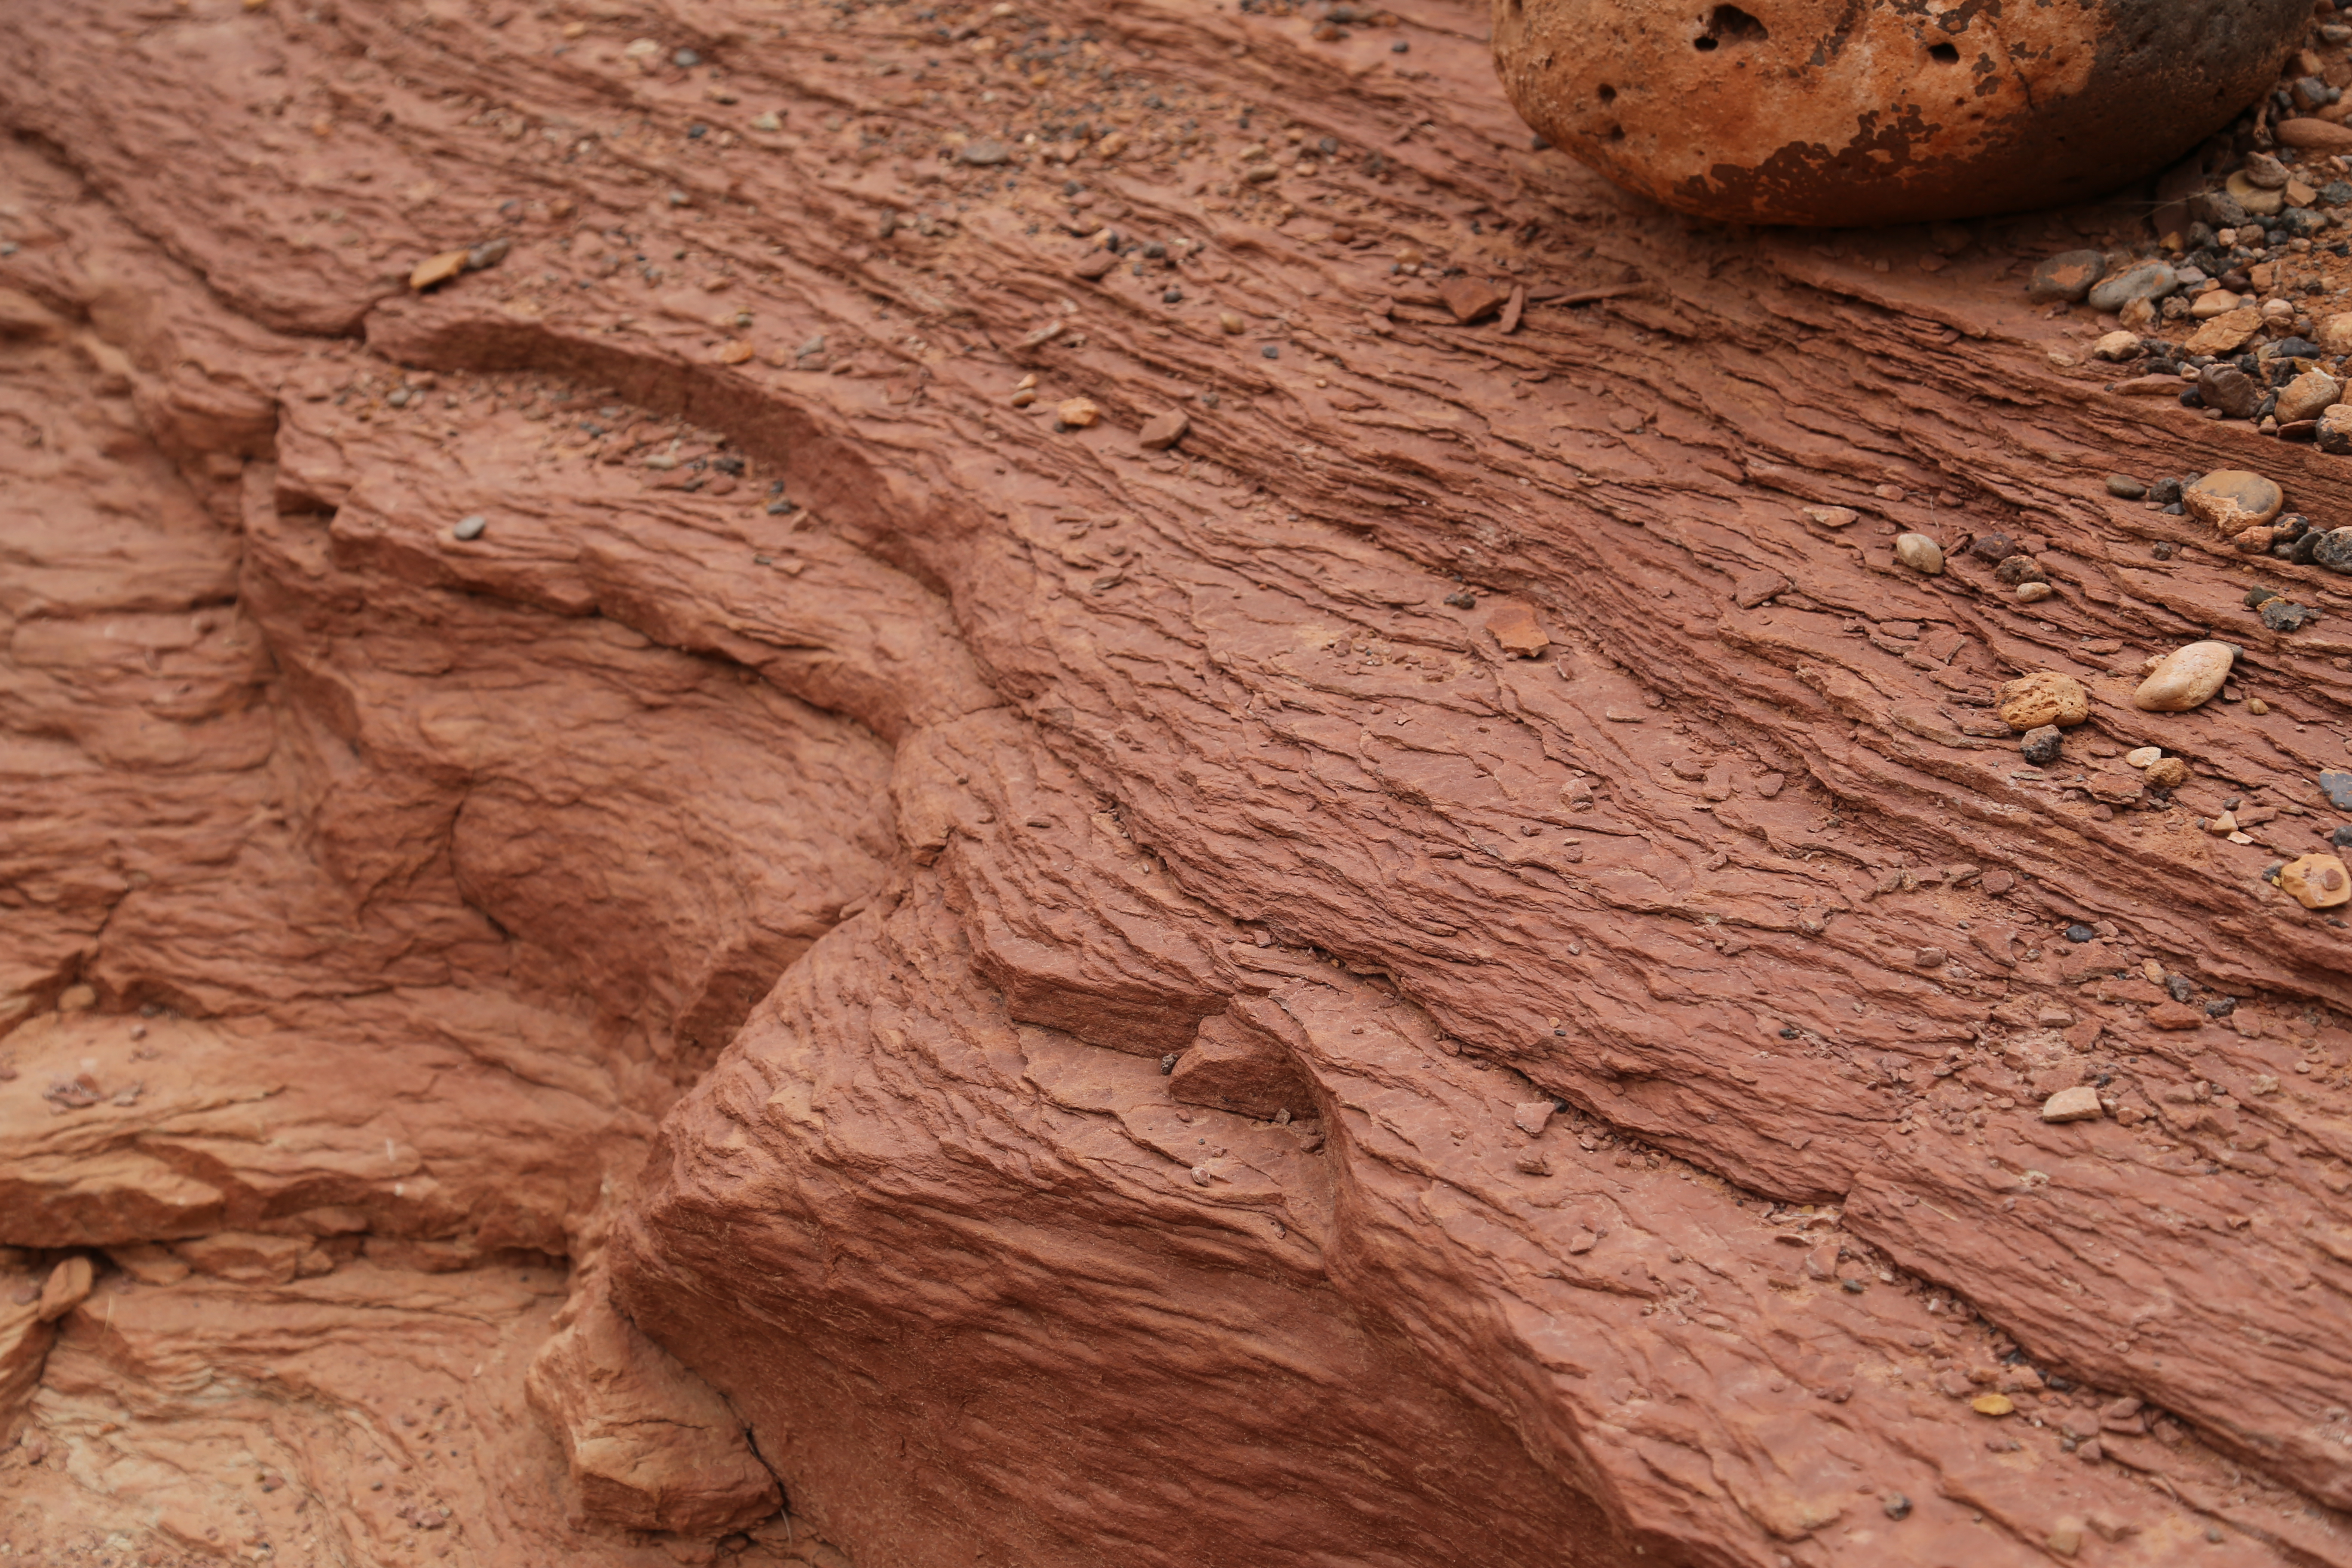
column 865, row 976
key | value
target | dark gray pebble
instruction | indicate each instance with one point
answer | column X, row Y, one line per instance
column 2041, row 746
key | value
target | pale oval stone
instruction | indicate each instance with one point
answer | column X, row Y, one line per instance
column 2116, row 347
column 1920, row 554
column 2212, row 303
column 2142, row 756
column 2033, row 593
column 2044, row 697
column 2231, row 500
column 2185, row 678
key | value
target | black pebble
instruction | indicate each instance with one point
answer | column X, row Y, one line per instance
column 1462, row 601
column 1400, row 47
column 1171, row 296
column 2179, row 987
column 2221, row 1006
column 2080, row 934
column 2164, row 491
column 1897, row 1506
column 2041, row 746
column 2165, row 550
column 2342, row 837
column 1272, row 351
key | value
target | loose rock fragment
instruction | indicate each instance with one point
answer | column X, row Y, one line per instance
column 470, row 528
column 2041, row 747
column 2080, row 1103
column 2316, row 882
column 1530, row 1116
column 2044, row 697
column 2142, row 756
column 2185, row 678
column 2168, row 772
column 2230, row 500
column 1162, row 431
column 1078, row 413
column 1471, row 298
column 436, row 270
column 1920, row 554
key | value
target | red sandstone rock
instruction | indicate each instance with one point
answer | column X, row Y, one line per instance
column 379, row 896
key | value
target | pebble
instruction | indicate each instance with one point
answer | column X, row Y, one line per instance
column 1832, row 516
column 1271, row 351
column 436, row 270
column 2080, row 1103
column 1896, row 1505
column 1530, row 1116
column 2257, row 707
column 2142, row 756
column 2149, row 280
column 986, row 152
column 2285, row 615
column 2066, row 1537
column 470, row 527
column 1078, row 413
column 2041, row 747
column 2215, row 302
column 1231, row 325
column 2044, row 697
column 1992, row 1404
column 1999, row 547
column 1929, row 958
column 2033, row 593
column 2067, row 276
column 2116, row 347
column 2337, row 788
column 2224, row 386
column 1471, row 298
column 2225, row 334
column 2333, row 549
column 2316, row 882
column 2079, row 933
column 2019, row 569
column 1162, row 431
column 1920, row 554
column 2123, row 487
column 2186, row 677
column 2308, row 395
column 2168, row 772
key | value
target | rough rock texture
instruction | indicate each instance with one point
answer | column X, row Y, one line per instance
column 1873, row 112
column 534, row 1031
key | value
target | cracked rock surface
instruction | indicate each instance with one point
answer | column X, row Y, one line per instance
column 651, row 914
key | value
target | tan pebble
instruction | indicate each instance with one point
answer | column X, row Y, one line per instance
column 2168, row 772
column 1832, row 516
column 76, row 999
column 1233, row 326
column 2116, row 347
column 1078, row 413
column 2043, row 697
column 2066, row 1537
column 1023, row 398
column 736, row 352
column 1992, row 1404
column 435, row 270
column 2316, row 882
column 2080, row 1103
column 2307, row 396
column 2231, row 500
column 2227, row 822
column 2152, row 971
column 1920, row 554
column 2257, row 707
column 1162, row 431
column 2239, row 838
column 2033, row 593
column 2142, row 756
column 2186, row 677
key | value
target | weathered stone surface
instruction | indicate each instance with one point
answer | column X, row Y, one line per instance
column 1823, row 113
column 879, row 836
column 2042, row 698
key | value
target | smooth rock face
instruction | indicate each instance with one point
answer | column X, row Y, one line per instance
column 1876, row 111
column 2185, row 678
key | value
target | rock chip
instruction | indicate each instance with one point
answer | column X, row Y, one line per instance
column 2316, row 882
column 2230, row 500
column 2033, row 593
column 1832, row 516
column 2041, row 747
column 67, row 1286
column 2175, row 1015
column 2334, row 432
column 2080, row 1103
column 1758, row 587
column 1920, row 554
column 1078, row 413
column 1822, row 112
column 2142, row 756
column 2226, row 387
column 2149, row 280
column 1516, row 629
column 2331, row 548
column 434, row 270
column 1471, row 298
column 1530, row 1115
column 2067, row 276
column 2168, row 772
column 2225, row 333
column 2307, row 396
column 2044, row 697
column 2116, row 347
column 1162, row 431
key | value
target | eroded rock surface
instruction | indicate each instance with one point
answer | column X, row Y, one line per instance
column 605, row 862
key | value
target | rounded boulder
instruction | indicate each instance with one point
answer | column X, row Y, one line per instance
column 1876, row 111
